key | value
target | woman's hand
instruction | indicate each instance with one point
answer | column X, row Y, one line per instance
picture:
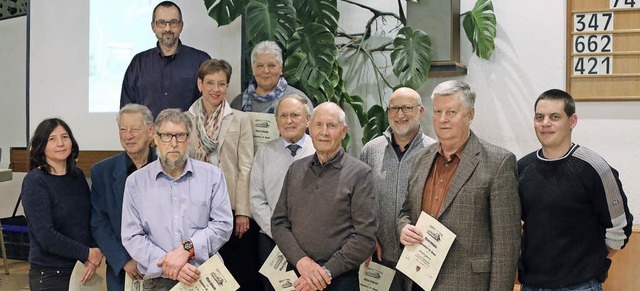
column 242, row 225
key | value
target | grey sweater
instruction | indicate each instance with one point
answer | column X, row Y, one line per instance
column 327, row 212
column 390, row 183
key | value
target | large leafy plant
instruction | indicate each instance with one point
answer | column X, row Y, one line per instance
column 308, row 31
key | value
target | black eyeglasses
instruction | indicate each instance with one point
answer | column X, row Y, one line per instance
column 167, row 137
column 163, row 23
column 405, row 109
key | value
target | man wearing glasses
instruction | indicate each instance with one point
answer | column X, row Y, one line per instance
column 175, row 203
column 164, row 76
column 390, row 157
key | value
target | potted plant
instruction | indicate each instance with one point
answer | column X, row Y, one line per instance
column 308, row 32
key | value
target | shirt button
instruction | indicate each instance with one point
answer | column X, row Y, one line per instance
column 446, row 165
column 436, row 197
column 165, row 93
column 441, row 181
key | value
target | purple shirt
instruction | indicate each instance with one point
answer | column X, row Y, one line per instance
column 159, row 213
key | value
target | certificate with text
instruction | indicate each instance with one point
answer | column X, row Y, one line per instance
column 422, row 262
column 132, row 285
column 376, row 277
column 213, row 276
column 94, row 284
column 275, row 269
column 264, row 128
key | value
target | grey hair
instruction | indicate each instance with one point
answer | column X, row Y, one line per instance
column 266, row 47
column 147, row 117
column 467, row 95
column 342, row 117
column 300, row 99
column 173, row 115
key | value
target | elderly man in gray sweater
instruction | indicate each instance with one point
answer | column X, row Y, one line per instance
column 390, row 157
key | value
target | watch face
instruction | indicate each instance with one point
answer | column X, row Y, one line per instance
column 188, row 245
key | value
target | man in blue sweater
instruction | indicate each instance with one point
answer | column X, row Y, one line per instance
column 574, row 210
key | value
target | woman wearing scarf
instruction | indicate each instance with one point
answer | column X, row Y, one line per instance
column 267, row 84
column 223, row 137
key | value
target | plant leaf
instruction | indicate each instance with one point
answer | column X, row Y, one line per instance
column 480, row 27
column 323, row 12
column 225, row 11
column 269, row 20
column 378, row 123
column 311, row 53
column 411, row 57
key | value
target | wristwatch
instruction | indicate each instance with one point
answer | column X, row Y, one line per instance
column 328, row 272
column 188, row 246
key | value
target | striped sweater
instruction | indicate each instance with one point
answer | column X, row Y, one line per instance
column 574, row 210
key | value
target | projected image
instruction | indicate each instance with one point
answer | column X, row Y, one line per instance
column 119, row 29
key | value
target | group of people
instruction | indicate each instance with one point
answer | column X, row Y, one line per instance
column 188, row 186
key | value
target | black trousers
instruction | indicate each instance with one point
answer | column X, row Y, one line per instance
column 240, row 256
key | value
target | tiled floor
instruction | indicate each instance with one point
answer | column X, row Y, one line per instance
column 18, row 271
column 17, row 279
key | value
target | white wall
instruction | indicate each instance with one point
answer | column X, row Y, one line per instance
column 529, row 59
column 13, row 40
column 59, row 64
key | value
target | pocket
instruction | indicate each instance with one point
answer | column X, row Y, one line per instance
column 481, row 265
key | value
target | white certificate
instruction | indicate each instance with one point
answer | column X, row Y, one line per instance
column 213, row 276
column 264, row 128
column 376, row 277
column 132, row 285
column 94, row 284
column 422, row 262
column 275, row 269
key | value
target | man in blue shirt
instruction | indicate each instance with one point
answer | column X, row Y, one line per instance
column 108, row 177
column 176, row 212
column 164, row 76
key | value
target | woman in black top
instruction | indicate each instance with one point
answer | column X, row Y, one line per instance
column 55, row 195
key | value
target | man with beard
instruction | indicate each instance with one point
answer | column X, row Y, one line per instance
column 164, row 76
column 390, row 157
column 176, row 212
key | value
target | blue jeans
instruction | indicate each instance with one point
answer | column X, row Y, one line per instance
column 592, row 285
column 158, row 284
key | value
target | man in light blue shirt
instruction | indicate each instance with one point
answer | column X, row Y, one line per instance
column 176, row 212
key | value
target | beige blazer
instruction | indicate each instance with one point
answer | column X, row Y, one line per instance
column 482, row 208
column 235, row 155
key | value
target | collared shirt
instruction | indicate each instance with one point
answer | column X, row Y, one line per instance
column 300, row 142
column 131, row 167
column 316, row 165
column 159, row 213
column 160, row 82
column 396, row 147
column 439, row 179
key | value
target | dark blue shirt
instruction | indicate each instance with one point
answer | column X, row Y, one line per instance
column 58, row 210
column 160, row 82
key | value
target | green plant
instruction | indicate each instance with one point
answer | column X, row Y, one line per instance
column 308, row 32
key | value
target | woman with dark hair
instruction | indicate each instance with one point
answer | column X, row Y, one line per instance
column 55, row 196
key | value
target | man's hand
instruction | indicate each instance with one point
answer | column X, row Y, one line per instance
column 242, row 225
column 131, row 268
column 313, row 274
column 173, row 261
column 410, row 235
column 189, row 274
column 301, row 285
column 377, row 252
